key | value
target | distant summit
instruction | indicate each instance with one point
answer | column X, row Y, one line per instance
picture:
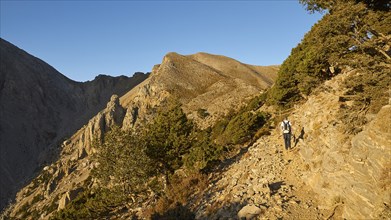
column 39, row 107
column 215, row 83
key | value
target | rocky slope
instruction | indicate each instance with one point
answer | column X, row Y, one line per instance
column 262, row 182
column 328, row 174
column 214, row 83
column 348, row 171
column 39, row 108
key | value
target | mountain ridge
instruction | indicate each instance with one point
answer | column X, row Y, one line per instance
column 197, row 84
column 177, row 76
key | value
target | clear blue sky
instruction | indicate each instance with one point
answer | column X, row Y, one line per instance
column 82, row 39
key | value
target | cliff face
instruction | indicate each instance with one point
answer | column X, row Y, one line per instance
column 195, row 84
column 39, row 108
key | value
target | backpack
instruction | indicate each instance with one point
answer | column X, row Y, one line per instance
column 287, row 127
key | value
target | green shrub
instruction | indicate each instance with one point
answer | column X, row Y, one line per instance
column 367, row 92
column 23, row 211
column 88, row 205
column 123, row 161
column 53, row 206
column 241, row 128
column 202, row 113
column 173, row 204
column 203, row 151
column 256, row 102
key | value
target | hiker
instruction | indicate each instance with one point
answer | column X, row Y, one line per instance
column 286, row 129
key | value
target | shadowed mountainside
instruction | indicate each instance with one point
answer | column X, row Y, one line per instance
column 39, row 108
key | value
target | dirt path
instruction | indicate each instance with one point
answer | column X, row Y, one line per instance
column 262, row 183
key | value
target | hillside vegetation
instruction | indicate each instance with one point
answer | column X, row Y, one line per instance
column 132, row 167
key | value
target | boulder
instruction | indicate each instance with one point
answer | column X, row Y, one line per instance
column 68, row 197
column 249, row 212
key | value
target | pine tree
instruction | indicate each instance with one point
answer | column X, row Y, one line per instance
column 123, row 163
column 167, row 138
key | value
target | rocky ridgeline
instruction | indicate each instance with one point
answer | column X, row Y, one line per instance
column 83, row 139
column 141, row 102
column 329, row 174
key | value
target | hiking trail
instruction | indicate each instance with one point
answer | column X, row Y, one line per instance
column 262, row 183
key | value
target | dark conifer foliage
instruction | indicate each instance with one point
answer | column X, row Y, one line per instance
column 351, row 35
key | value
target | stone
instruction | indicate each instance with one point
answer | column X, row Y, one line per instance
column 250, row 192
column 68, row 197
column 63, row 201
column 278, row 209
column 249, row 212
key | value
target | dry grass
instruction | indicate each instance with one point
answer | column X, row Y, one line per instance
column 178, row 194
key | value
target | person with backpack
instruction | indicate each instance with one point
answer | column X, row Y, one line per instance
column 286, row 129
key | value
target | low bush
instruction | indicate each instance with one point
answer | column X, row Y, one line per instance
column 202, row 113
column 90, row 205
column 240, row 128
column 173, row 205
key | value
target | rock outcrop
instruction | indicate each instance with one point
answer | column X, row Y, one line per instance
column 351, row 172
column 249, row 212
column 39, row 108
column 80, row 144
